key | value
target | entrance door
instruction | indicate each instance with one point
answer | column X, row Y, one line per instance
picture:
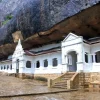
column 72, row 61
column 17, row 67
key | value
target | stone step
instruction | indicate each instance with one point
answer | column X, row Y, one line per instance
column 62, row 87
column 69, row 74
column 60, row 83
column 66, row 78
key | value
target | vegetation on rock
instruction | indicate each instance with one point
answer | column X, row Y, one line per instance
column 7, row 19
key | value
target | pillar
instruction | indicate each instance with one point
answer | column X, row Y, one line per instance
column 89, row 58
column 94, row 61
column 49, row 83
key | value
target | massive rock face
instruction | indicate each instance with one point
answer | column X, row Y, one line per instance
column 34, row 16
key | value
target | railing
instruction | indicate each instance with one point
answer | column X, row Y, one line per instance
column 73, row 82
column 51, row 82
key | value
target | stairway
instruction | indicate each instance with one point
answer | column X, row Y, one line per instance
column 61, row 82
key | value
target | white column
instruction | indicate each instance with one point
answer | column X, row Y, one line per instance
column 13, row 66
column 65, row 63
column 80, row 60
column 67, row 67
column 66, row 59
column 94, row 61
column 41, row 64
column 22, row 66
column 89, row 58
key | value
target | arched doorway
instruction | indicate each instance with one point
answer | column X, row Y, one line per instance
column 72, row 61
column 97, row 57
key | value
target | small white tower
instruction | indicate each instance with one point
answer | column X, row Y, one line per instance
column 18, row 59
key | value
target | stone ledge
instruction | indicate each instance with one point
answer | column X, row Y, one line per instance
column 40, row 93
column 48, row 76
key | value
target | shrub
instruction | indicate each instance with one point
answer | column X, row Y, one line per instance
column 4, row 22
column 8, row 17
column 41, row 78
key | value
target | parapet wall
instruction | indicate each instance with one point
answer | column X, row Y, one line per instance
column 85, row 79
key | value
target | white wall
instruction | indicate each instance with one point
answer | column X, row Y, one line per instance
column 86, row 48
column 6, row 63
column 28, row 70
column 95, row 48
column 50, row 69
column 91, row 49
column 87, row 66
column 43, row 70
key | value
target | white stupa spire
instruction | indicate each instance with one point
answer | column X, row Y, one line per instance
column 19, row 46
column 18, row 50
column 19, row 42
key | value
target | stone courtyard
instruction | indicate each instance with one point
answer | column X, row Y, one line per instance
column 12, row 88
column 10, row 85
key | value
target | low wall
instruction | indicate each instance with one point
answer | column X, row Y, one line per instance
column 48, row 76
column 22, row 75
column 26, row 76
column 33, row 76
column 3, row 73
column 91, row 77
column 86, row 79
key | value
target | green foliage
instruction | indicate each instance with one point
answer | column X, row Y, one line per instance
column 4, row 22
column 8, row 17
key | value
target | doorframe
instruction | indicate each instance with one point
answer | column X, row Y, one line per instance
column 17, row 66
column 72, row 59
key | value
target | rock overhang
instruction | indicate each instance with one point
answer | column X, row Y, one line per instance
column 85, row 23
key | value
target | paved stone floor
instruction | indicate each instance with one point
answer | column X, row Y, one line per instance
column 61, row 96
column 10, row 85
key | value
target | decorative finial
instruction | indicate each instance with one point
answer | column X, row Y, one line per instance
column 19, row 42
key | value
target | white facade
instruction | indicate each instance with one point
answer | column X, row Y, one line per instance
column 72, row 54
column 20, row 58
column 86, row 53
